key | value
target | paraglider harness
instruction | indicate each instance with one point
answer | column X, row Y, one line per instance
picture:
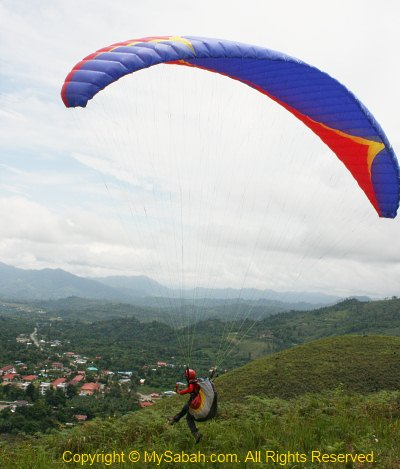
column 203, row 403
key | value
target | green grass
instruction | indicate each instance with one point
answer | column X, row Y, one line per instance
column 331, row 422
column 335, row 395
column 357, row 363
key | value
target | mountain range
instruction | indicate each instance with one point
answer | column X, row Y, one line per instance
column 52, row 284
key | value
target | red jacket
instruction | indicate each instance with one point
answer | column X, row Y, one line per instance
column 193, row 388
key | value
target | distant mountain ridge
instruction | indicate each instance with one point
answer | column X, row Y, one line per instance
column 54, row 284
column 153, row 288
column 26, row 284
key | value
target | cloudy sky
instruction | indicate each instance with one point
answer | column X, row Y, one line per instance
column 185, row 176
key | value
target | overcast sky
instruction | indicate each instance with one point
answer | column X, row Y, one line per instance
column 185, row 176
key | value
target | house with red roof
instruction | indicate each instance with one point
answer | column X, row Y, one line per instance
column 7, row 370
column 30, row 378
column 76, row 380
column 88, row 389
column 7, row 378
column 58, row 383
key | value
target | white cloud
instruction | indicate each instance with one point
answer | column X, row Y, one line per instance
column 178, row 155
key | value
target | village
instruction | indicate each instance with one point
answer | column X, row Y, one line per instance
column 75, row 375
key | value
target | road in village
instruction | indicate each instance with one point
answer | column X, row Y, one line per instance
column 33, row 337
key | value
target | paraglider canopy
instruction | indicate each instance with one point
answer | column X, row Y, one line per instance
column 318, row 100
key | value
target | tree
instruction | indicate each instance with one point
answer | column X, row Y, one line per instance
column 71, row 391
column 55, row 398
column 32, row 393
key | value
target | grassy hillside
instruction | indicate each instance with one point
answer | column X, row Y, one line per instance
column 297, row 401
column 356, row 363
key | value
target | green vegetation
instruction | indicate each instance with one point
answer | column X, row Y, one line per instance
column 335, row 395
column 356, row 363
column 121, row 343
column 57, row 408
column 330, row 422
column 333, row 385
column 348, row 317
column 116, row 334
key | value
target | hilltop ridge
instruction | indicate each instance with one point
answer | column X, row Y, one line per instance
column 357, row 363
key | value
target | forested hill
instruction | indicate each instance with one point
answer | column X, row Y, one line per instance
column 124, row 338
column 284, row 330
column 347, row 317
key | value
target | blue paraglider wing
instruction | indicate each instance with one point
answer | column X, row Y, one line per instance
column 318, row 100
